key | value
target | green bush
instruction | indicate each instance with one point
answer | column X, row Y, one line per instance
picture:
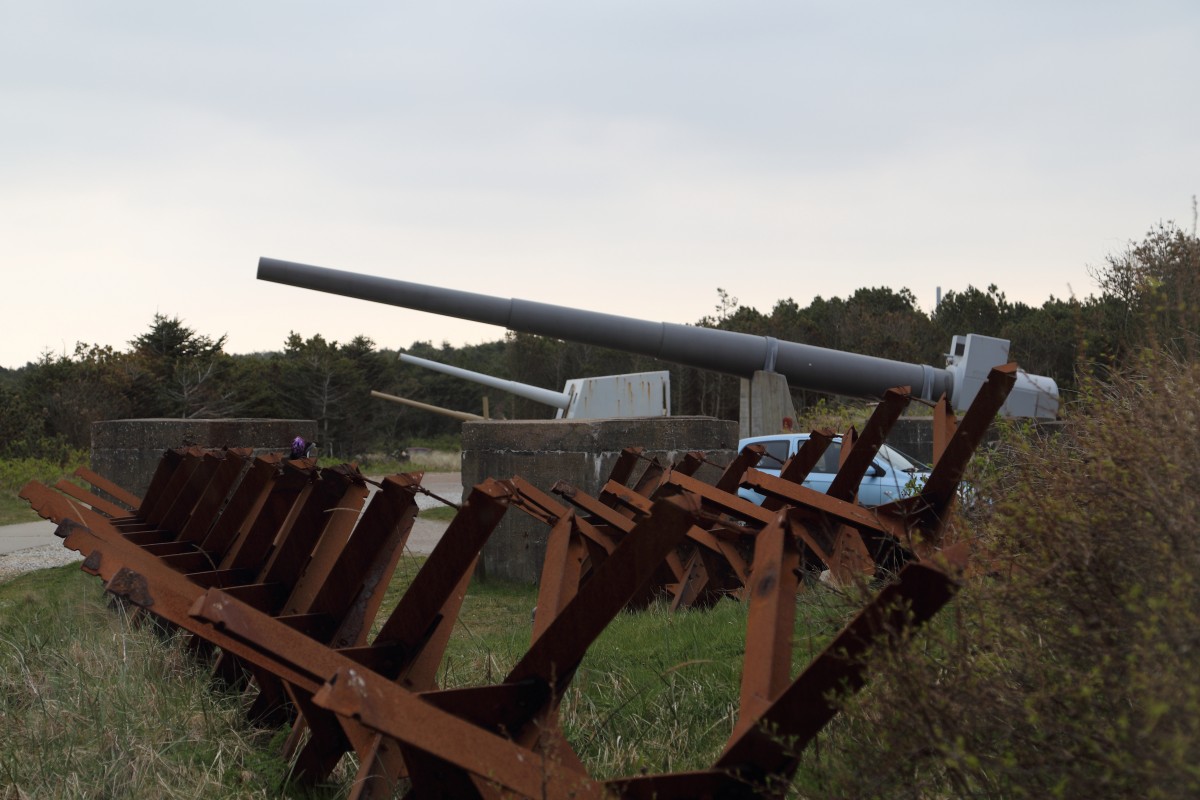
column 1069, row 670
column 16, row 472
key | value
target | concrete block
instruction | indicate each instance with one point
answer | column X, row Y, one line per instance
column 127, row 451
column 581, row 452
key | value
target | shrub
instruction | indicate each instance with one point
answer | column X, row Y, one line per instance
column 16, row 472
column 1069, row 671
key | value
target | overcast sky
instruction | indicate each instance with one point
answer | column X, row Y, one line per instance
column 628, row 157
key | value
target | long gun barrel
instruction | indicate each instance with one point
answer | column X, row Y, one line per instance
column 464, row 416
column 535, row 393
column 741, row 354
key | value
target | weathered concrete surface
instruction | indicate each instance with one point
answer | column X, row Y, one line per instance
column 766, row 405
column 581, row 452
column 127, row 451
column 25, row 535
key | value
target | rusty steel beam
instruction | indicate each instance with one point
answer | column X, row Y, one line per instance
column 147, row 582
column 797, row 468
column 555, row 655
column 288, row 491
column 51, row 504
column 769, row 744
column 117, row 493
column 855, row 463
column 700, row 586
column 418, row 629
column 345, row 605
column 407, row 650
column 189, row 495
column 131, row 573
column 771, row 591
column 945, row 422
column 448, row 740
column 524, row 706
column 97, row 503
column 651, row 478
column 731, row 477
column 926, row 512
column 173, row 495
column 562, row 568
column 623, row 467
column 832, row 508
column 230, row 465
column 170, row 462
column 332, row 536
column 334, row 501
column 243, row 506
column 354, row 588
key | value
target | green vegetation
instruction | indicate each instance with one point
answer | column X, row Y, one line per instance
column 94, row 706
column 16, row 472
column 171, row 370
column 1070, row 671
column 118, row 709
column 439, row 513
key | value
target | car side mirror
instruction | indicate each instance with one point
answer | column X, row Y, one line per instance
column 877, row 471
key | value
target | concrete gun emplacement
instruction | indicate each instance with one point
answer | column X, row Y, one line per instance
column 741, row 354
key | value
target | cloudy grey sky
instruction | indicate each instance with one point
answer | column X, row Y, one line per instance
column 628, row 157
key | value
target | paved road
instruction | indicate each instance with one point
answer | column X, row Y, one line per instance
column 425, row 533
column 26, row 535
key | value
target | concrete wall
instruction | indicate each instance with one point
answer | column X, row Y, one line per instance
column 581, row 452
column 127, row 451
column 913, row 436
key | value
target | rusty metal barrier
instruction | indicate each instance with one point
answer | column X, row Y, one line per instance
column 838, row 537
column 292, row 577
column 283, row 536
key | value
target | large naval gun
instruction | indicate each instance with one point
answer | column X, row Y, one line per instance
column 741, row 354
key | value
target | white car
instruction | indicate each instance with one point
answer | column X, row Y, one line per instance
column 892, row 475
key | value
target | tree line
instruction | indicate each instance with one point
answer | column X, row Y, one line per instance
column 1149, row 296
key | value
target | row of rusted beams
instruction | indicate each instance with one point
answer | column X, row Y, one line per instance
column 379, row 699
column 475, row 741
column 283, row 536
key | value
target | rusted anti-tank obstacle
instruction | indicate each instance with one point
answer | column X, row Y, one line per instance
column 837, row 536
column 379, row 699
column 471, row 742
column 287, row 538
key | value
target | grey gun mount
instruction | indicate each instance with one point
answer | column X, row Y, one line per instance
column 805, row 366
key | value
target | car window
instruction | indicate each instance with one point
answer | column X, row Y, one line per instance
column 777, row 453
column 894, row 457
column 828, row 464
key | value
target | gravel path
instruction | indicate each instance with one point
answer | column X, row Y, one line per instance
column 40, row 557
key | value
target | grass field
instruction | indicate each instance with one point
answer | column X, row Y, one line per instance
column 93, row 705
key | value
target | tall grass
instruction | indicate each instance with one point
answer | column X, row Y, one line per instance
column 93, row 706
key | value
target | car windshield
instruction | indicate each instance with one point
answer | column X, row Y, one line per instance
column 898, row 461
